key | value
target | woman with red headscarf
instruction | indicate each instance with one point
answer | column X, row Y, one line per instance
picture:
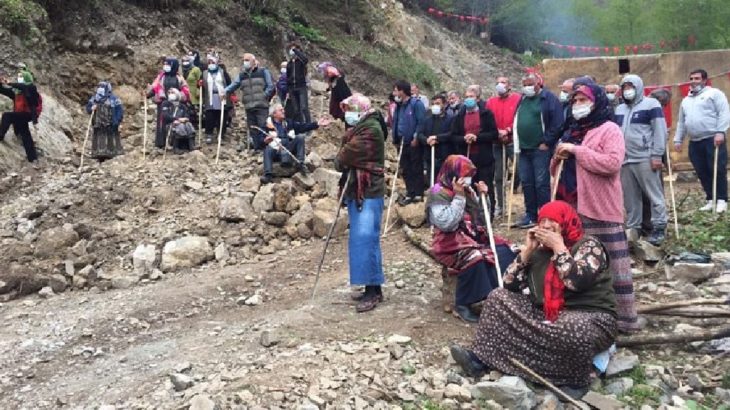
column 568, row 317
column 460, row 241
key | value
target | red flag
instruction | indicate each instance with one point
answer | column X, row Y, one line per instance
column 617, row 50
column 627, row 49
column 662, row 43
column 572, row 49
column 636, row 49
column 431, row 10
column 607, row 50
column 684, row 89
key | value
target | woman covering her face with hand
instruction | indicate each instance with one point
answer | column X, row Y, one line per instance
column 460, row 241
column 566, row 319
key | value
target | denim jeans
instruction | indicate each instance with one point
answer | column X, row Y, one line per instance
column 295, row 146
column 534, row 172
column 702, row 156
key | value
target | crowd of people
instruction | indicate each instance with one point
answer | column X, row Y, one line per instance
column 568, row 290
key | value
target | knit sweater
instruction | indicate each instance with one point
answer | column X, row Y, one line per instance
column 598, row 172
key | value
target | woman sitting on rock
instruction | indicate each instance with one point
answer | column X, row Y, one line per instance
column 460, row 241
column 108, row 113
column 568, row 317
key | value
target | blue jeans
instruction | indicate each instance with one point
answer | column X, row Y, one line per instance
column 295, row 146
column 702, row 156
column 366, row 260
column 535, row 176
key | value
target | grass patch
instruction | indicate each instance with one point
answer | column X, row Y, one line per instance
column 703, row 232
column 640, row 395
column 725, row 383
column 638, row 375
column 216, row 4
column 309, row 33
column 408, row 369
column 23, row 18
column 397, row 63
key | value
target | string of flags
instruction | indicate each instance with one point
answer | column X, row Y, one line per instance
column 664, row 45
column 458, row 17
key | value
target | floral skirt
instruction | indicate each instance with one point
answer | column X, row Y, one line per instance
column 510, row 326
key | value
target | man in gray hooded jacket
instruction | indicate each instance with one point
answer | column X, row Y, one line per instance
column 645, row 134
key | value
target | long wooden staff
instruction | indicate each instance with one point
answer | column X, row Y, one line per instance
column 492, row 245
column 88, row 131
column 392, row 189
column 220, row 131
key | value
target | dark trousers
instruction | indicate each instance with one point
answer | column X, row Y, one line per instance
column 300, row 104
column 702, row 156
column 411, row 164
column 213, row 121
column 257, row 117
column 295, row 146
column 475, row 283
column 485, row 172
column 19, row 121
column 534, row 167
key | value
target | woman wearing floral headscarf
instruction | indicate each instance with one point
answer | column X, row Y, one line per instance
column 568, row 317
column 362, row 157
column 108, row 113
column 460, row 241
column 338, row 87
column 593, row 152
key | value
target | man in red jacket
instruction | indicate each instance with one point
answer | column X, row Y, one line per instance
column 25, row 110
column 504, row 106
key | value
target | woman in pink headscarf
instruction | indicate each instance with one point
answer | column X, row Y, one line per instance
column 338, row 87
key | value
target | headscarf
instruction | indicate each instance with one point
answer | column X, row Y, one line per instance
column 442, row 192
column 359, row 101
column 102, row 97
column 177, row 92
column 174, row 66
column 328, row 70
column 571, row 229
column 568, row 183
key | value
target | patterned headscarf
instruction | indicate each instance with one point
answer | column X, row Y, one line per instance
column 359, row 101
column 602, row 112
column 106, row 96
column 328, row 70
column 571, row 230
column 442, row 192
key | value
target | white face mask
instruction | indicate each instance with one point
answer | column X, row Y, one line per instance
column 291, row 53
column 629, row 94
column 397, row 99
column 581, row 111
column 246, row 65
column 173, row 97
column 564, row 96
column 352, row 117
column 467, row 181
column 101, row 91
column 697, row 88
column 611, row 96
column 529, row 90
column 501, row 88
column 436, row 109
column 283, row 70
column 21, row 80
column 166, row 68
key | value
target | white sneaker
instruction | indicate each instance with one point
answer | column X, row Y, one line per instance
column 707, row 207
column 721, row 206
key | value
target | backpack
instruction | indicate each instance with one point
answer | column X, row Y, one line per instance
column 35, row 101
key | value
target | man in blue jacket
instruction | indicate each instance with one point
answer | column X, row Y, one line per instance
column 436, row 134
column 537, row 127
column 408, row 121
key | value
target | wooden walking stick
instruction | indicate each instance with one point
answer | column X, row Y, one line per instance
column 557, row 180
column 671, row 193
column 144, row 135
column 220, row 131
column 490, row 232
column 392, row 189
column 200, row 115
column 714, row 181
column 682, row 303
column 329, row 233
column 512, row 190
column 169, row 132
column 88, row 131
column 433, row 164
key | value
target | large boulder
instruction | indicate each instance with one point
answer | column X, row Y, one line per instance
column 690, row 272
column 237, row 209
column 323, row 219
column 328, row 180
column 186, row 252
column 509, row 391
column 414, row 215
column 264, row 199
column 143, row 259
column 276, row 218
column 282, row 195
column 54, row 240
column 303, row 216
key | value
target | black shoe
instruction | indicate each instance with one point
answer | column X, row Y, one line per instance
column 466, row 314
column 468, row 361
column 525, row 223
column 657, row 237
column 266, row 179
column 403, row 201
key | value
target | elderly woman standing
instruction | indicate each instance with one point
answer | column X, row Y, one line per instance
column 362, row 157
column 592, row 151
column 108, row 113
column 460, row 242
column 338, row 87
column 567, row 318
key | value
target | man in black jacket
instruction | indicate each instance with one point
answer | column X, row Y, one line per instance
column 296, row 75
column 25, row 110
column 436, row 134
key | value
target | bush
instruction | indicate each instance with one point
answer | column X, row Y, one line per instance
column 309, row 33
column 398, row 64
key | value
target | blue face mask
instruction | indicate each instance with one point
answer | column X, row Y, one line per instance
column 212, row 67
column 470, row 103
